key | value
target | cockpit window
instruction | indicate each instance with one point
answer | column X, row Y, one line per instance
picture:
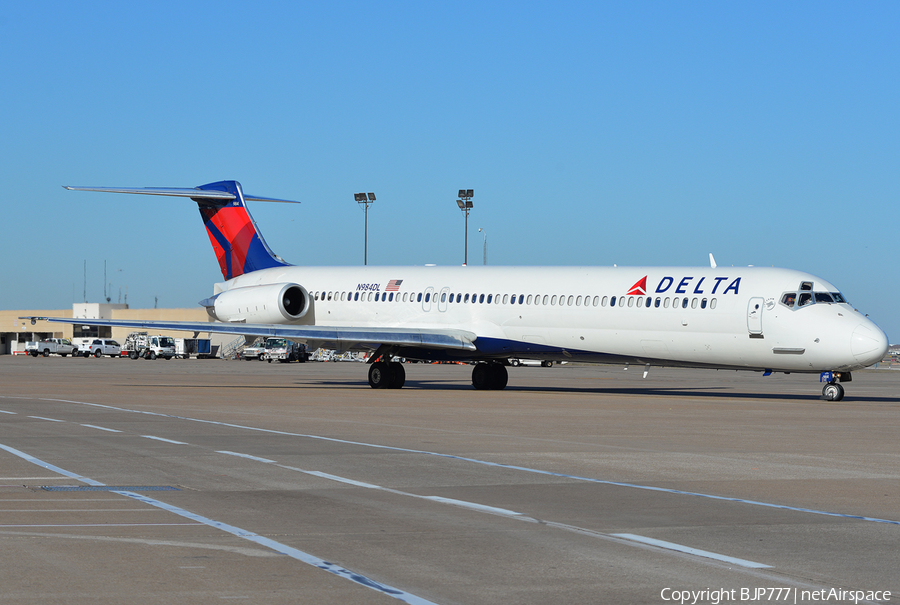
column 806, row 286
column 804, row 298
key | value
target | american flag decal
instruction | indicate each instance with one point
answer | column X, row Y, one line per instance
column 393, row 285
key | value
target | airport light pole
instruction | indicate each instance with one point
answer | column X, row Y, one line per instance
column 365, row 200
column 480, row 230
column 465, row 204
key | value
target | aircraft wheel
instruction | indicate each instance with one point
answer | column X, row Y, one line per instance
column 379, row 375
column 832, row 392
column 515, row 363
column 481, row 377
column 398, row 375
column 499, row 377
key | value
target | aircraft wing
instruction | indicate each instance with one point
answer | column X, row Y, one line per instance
column 329, row 337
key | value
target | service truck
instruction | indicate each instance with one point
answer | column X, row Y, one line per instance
column 141, row 344
column 285, row 351
column 48, row 346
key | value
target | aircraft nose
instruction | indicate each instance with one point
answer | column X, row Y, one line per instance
column 868, row 343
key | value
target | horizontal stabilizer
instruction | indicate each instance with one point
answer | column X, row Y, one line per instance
column 197, row 194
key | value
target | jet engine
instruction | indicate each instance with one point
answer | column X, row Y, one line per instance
column 269, row 304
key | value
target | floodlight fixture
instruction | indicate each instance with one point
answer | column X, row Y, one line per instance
column 364, row 200
column 465, row 204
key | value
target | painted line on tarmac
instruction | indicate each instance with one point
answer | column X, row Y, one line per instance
column 294, row 553
column 48, row 466
column 5, row 412
column 486, row 463
column 163, row 439
column 48, row 419
column 692, row 551
column 26, row 479
column 101, row 428
column 247, row 456
column 105, row 524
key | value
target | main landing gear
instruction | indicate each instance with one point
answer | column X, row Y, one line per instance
column 489, row 376
column 387, row 375
column 834, row 391
column 391, row 375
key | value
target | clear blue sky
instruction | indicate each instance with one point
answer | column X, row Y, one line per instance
column 635, row 133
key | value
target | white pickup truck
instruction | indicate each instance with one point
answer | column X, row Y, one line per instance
column 55, row 346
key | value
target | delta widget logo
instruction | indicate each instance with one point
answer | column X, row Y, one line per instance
column 639, row 288
column 688, row 285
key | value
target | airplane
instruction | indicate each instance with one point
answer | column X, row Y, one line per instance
column 749, row 318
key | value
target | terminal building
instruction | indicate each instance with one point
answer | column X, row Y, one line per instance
column 15, row 332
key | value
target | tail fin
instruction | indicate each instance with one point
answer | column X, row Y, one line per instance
column 239, row 246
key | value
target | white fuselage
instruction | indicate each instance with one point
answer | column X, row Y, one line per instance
column 684, row 316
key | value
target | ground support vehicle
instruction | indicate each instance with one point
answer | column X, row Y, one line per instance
column 285, row 351
column 257, row 350
column 141, row 344
column 102, row 346
column 51, row 346
column 185, row 347
column 530, row 362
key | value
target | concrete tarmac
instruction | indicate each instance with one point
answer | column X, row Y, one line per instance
column 207, row 481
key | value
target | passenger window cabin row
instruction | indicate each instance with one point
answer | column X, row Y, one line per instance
column 554, row 300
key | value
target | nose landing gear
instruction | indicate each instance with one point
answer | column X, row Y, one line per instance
column 833, row 391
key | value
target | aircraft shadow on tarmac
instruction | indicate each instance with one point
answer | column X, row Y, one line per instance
column 671, row 392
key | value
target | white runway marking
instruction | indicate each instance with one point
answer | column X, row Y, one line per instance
column 30, row 478
column 247, row 456
column 102, row 428
column 5, row 412
column 692, row 551
column 81, row 510
column 48, row 419
column 163, row 439
column 104, row 524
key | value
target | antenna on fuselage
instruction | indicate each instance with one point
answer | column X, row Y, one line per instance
column 712, row 261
